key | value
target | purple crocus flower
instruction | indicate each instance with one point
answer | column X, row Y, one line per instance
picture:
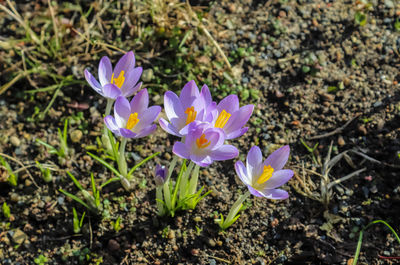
column 230, row 118
column 204, row 144
column 188, row 107
column 161, row 174
column 120, row 82
column 134, row 119
column 263, row 178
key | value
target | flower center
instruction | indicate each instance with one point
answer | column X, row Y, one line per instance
column 132, row 121
column 119, row 81
column 191, row 115
column 222, row 119
column 202, row 142
column 266, row 175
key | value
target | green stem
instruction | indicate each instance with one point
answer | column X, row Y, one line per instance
column 159, row 198
column 193, row 180
column 166, row 187
column 236, row 207
column 183, row 186
column 123, row 170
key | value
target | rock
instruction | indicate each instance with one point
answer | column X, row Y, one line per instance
column 15, row 141
column 113, row 245
column 19, row 237
column 210, row 242
column 362, row 129
column 76, row 136
column 147, row 75
column 341, row 141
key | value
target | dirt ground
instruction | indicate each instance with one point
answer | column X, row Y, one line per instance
column 322, row 75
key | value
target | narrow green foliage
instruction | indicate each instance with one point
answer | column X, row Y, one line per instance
column 62, row 151
column 77, row 222
column 91, row 201
column 141, row 163
column 117, row 224
column 46, row 173
column 12, row 178
column 6, row 210
column 357, row 254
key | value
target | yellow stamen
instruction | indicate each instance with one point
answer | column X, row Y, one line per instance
column 266, row 175
column 202, row 142
column 132, row 121
column 119, row 81
column 191, row 114
column 222, row 119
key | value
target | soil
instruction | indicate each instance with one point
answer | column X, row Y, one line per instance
column 316, row 78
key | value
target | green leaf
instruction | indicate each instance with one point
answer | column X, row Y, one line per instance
column 76, row 199
column 75, row 181
column 141, row 163
column 104, row 163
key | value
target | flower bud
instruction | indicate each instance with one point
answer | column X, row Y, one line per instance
column 161, row 174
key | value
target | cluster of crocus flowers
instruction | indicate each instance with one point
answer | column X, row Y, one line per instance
column 262, row 179
column 203, row 125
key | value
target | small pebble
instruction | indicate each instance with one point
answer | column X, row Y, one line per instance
column 341, row 141
column 76, row 136
column 15, row 141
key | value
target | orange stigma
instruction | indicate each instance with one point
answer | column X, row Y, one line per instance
column 132, row 121
column 191, row 115
column 202, row 142
column 266, row 175
column 119, row 81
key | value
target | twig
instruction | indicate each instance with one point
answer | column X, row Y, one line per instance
column 337, row 181
column 23, row 166
column 54, row 24
column 219, row 259
column 336, row 131
column 204, row 29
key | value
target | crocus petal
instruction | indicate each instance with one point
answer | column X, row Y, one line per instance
column 168, row 127
column 189, row 93
column 133, row 90
column 278, row 158
column 279, row 178
column 140, row 102
column 237, row 133
column 111, row 91
column 173, row 106
column 203, row 161
column 254, row 191
column 181, row 150
column 111, row 123
column 225, row 152
column 240, row 118
column 146, row 131
column 253, row 162
column 105, row 71
column 122, row 111
column 126, row 64
column 131, row 78
column 230, row 104
column 216, row 137
column 242, row 172
column 275, row 194
column 127, row 133
column 147, row 117
column 205, row 93
column 93, row 82
column 185, row 130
